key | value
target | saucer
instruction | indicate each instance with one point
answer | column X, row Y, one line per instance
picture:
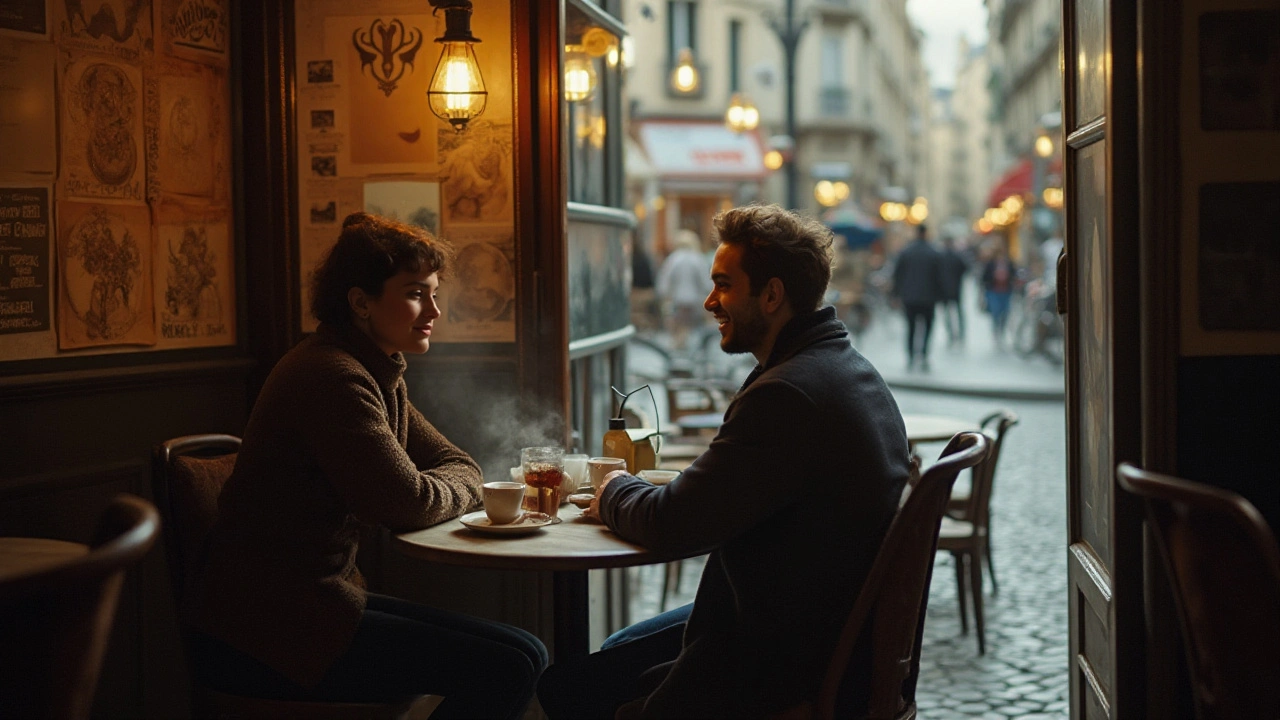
column 526, row 523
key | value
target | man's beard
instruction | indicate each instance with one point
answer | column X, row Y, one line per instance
column 747, row 330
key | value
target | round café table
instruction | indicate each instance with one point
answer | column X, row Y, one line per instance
column 568, row 550
column 934, row 428
column 22, row 556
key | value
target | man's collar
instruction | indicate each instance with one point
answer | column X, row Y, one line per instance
column 803, row 330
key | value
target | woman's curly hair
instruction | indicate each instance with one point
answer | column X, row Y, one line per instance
column 369, row 251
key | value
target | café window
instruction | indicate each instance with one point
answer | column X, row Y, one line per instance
column 593, row 66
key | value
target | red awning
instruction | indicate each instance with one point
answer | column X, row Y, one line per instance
column 1017, row 180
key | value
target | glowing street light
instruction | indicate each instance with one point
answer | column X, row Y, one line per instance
column 742, row 115
column 685, row 78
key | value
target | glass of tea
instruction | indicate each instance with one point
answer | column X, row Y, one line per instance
column 544, row 470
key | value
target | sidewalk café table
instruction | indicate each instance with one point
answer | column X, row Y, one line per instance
column 934, row 428
column 567, row 549
column 21, row 556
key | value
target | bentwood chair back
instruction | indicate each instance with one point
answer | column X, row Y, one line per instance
column 1224, row 568
column 187, row 476
column 55, row 623
column 888, row 616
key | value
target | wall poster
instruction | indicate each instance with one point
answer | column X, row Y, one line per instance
column 475, row 173
column 25, row 226
column 120, row 29
column 478, row 297
column 25, row 18
column 182, row 130
column 28, row 124
column 412, row 202
column 195, row 278
column 194, row 29
column 102, row 138
column 104, row 284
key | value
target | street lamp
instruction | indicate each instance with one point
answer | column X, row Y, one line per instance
column 684, row 78
column 789, row 31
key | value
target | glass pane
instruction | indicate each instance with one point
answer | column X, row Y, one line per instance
column 592, row 56
column 1091, row 249
column 1091, row 60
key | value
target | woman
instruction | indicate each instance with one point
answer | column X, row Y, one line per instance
column 333, row 442
column 998, row 277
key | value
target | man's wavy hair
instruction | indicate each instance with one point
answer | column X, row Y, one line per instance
column 369, row 251
column 779, row 243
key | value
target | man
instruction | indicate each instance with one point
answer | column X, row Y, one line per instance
column 953, row 268
column 682, row 284
column 791, row 499
column 917, row 282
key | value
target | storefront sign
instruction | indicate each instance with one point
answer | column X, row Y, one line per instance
column 702, row 150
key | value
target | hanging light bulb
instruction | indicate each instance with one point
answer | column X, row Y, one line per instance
column 457, row 93
column 684, row 78
column 579, row 74
column 742, row 115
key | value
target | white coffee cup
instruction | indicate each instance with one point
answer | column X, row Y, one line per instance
column 502, row 501
column 598, row 467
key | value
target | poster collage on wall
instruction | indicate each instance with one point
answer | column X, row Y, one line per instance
column 366, row 141
column 115, row 177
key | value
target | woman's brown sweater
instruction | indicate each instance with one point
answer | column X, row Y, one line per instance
column 332, row 442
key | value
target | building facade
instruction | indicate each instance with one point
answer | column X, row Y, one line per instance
column 859, row 113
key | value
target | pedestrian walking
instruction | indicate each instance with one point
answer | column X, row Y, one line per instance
column 917, row 283
column 997, row 283
column 954, row 267
column 684, row 281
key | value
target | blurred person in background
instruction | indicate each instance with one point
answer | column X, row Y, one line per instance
column 998, row 278
column 954, row 267
column 683, row 283
column 917, row 283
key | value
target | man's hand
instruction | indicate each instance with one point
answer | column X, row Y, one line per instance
column 593, row 510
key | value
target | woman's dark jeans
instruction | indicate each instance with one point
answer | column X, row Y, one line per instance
column 482, row 669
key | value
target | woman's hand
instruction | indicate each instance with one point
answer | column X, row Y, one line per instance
column 593, row 510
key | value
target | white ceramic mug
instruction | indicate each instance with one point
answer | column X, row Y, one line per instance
column 502, row 501
column 598, row 467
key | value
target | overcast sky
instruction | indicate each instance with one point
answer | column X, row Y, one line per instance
column 943, row 21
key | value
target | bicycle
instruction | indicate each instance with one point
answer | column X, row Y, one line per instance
column 1039, row 331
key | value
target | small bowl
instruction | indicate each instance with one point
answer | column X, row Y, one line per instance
column 658, row 477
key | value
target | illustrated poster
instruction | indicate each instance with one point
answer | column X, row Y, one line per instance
column 478, row 297
column 120, row 28
column 180, row 128
column 194, row 276
column 28, row 128
column 384, row 63
column 102, row 136
column 104, row 288
column 194, row 29
column 475, row 174
column 24, row 260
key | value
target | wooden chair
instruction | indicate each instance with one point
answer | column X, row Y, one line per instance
column 1224, row 568
column 55, row 623
column 187, row 477
column 888, row 615
column 966, row 534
